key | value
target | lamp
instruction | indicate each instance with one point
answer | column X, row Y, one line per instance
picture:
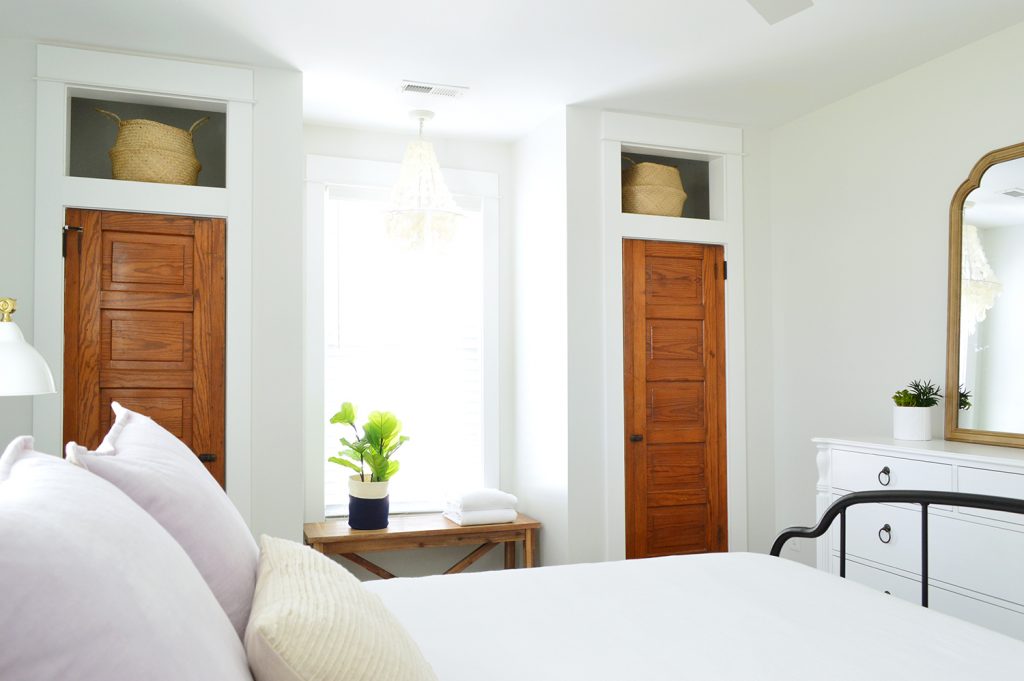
column 23, row 370
column 422, row 208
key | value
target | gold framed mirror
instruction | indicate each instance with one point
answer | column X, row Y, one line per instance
column 985, row 335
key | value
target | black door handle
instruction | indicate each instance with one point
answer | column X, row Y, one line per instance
column 636, row 438
column 207, row 458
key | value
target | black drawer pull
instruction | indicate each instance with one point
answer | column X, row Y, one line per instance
column 887, row 531
column 887, row 592
column 207, row 458
column 636, row 438
column 888, row 477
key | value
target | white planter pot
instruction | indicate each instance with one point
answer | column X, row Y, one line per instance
column 912, row 423
column 367, row 490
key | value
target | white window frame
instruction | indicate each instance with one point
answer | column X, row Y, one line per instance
column 321, row 173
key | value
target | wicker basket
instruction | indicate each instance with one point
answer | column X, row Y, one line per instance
column 147, row 151
column 652, row 189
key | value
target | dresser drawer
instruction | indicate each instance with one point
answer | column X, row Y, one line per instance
column 857, row 471
column 981, row 558
column 997, row 618
column 996, row 483
column 898, row 546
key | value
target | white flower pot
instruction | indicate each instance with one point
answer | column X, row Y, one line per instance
column 912, row 423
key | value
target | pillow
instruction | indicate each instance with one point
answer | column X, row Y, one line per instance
column 313, row 621
column 93, row 588
column 163, row 476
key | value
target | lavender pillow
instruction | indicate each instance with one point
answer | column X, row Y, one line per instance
column 163, row 476
column 94, row 589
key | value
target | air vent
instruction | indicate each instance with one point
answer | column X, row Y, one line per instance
column 433, row 89
column 1016, row 193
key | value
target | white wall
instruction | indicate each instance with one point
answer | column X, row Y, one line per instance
column 541, row 467
column 860, row 192
column 278, row 483
column 17, row 196
column 463, row 154
column 761, row 529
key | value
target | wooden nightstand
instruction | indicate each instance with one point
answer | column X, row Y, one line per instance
column 423, row 531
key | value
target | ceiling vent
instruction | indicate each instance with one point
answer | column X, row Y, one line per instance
column 433, row 89
column 1016, row 192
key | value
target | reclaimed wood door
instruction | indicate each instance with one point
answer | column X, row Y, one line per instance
column 674, row 342
column 144, row 325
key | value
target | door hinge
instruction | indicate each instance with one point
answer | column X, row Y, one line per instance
column 64, row 239
column 725, row 269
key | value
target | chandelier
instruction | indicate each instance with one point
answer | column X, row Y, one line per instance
column 422, row 209
column 979, row 286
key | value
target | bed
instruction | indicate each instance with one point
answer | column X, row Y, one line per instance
column 710, row 616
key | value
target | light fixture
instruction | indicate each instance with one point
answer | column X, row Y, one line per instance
column 979, row 286
column 23, row 370
column 422, row 208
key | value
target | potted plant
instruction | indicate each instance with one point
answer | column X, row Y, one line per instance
column 912, row 416
column 371, row 456
column 965, row 399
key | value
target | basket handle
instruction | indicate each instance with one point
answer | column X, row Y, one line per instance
column 111, row 115
column 198, row 124
column 629, row 159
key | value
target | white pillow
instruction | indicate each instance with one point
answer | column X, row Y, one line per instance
column 93, row 589
column 313, row 621
column 163, row 476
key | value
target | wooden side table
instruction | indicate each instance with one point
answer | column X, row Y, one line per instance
column 416, row 531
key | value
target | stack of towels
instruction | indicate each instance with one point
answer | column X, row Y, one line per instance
column 482, row 507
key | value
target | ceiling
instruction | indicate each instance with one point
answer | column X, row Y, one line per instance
column 989, row 205
column 716, row 60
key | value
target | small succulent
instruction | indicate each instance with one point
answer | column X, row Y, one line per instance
column 918, row 394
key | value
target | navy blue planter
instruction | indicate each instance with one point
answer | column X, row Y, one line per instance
column 368, row 514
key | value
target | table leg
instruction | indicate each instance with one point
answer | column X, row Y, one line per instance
column 530, row 549
column 510, row 555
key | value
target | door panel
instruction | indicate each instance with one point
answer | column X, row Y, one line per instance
column 674, row 395
column 144, row 326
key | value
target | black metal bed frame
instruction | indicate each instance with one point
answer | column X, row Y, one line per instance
column 923, row 498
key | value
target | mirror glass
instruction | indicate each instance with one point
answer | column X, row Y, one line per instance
column 991, row 333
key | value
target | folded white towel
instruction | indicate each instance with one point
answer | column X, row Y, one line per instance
column 487, row 499
column 491, row 517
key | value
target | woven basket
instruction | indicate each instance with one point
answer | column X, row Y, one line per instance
column 652, row 189
column 147, row 151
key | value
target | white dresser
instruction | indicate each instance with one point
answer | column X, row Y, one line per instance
column 976, row 557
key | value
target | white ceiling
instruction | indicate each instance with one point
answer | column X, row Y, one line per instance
column 706, row 59
column 989, row 206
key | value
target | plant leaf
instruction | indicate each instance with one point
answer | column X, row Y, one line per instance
column 346, row 463
column 347, row 415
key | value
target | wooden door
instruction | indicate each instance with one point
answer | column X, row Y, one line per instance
column 674, row 345
column 144, row 317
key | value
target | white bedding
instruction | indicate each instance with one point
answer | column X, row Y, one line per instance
column 728, row 617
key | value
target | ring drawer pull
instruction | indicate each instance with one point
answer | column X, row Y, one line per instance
column 888, row 477
column 887, row 592
column 885, row 534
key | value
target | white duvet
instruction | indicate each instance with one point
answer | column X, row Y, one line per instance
column 728, row 617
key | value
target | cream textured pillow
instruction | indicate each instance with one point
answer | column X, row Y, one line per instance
column 93, row 589
column 163, row 476
column 313, row 621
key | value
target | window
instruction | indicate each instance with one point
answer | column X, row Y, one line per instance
column 408, row 330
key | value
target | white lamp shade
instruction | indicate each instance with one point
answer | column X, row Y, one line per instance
column 23, row 370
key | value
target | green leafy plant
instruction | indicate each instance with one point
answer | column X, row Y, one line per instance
column 918, row 394
column 375, row 448
column 965, row 399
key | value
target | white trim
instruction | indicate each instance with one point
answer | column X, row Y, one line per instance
column 118, row 71
column 321, row 172
column 621, row 130
column 62, row 71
